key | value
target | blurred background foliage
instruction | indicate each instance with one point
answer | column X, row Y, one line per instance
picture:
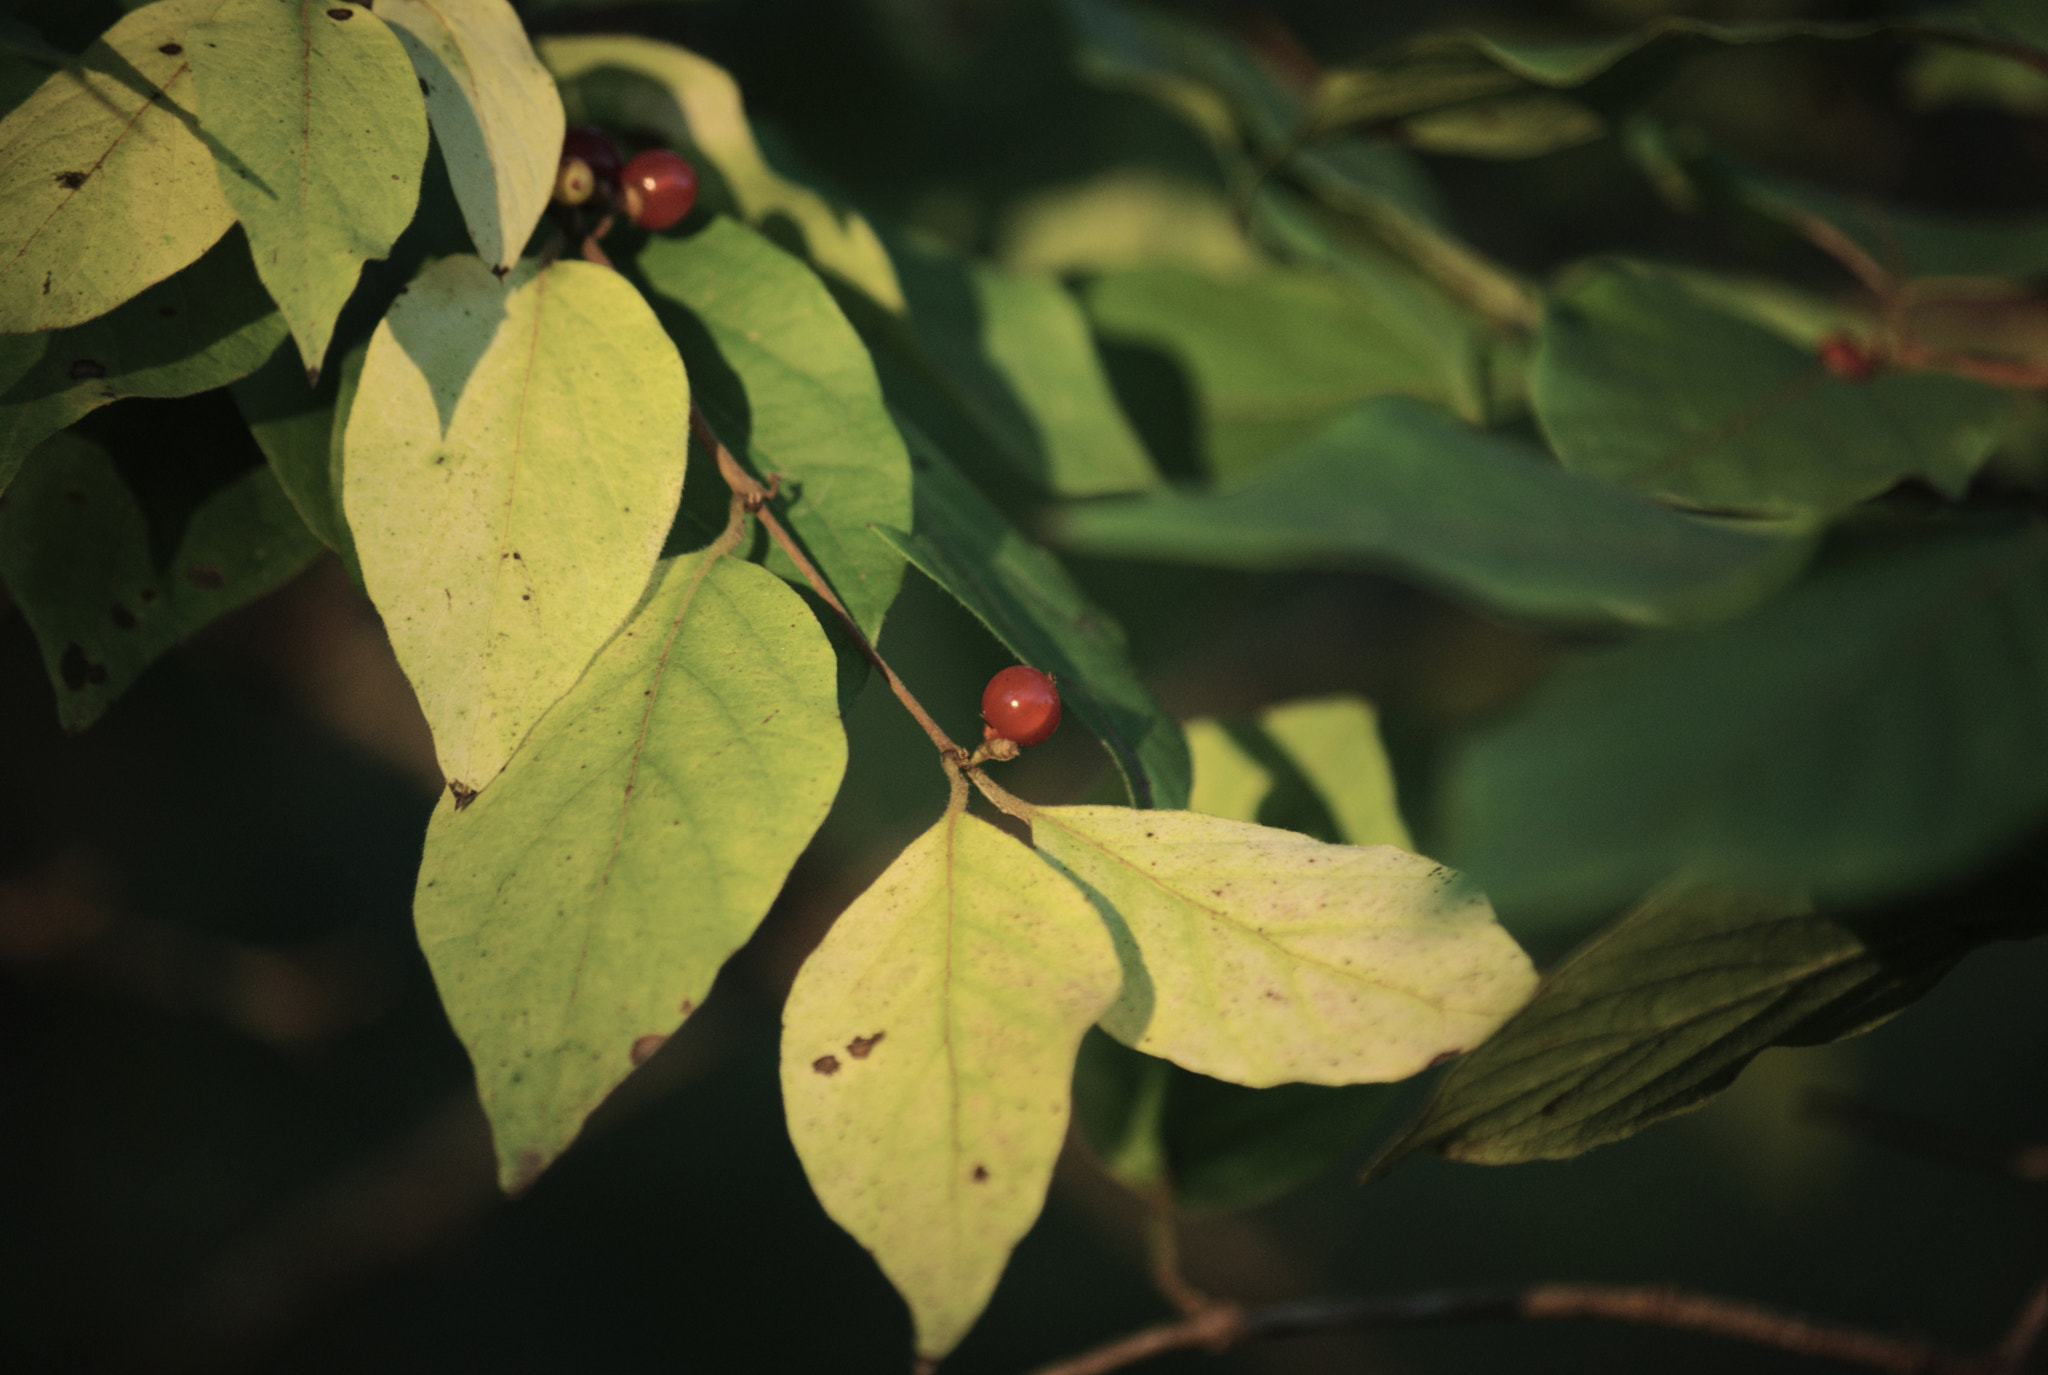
column 239, row 1135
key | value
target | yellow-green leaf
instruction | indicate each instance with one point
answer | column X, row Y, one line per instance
column 317, row 108
column 105, row 188
column 495, row 111
column 512, row 462
column 1264, row 957
column 1314, row 766
column 927, row 1056
column 578, row 911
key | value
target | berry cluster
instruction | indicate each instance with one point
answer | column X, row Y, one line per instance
column 653, row 189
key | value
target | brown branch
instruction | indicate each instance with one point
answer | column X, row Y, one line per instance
column 1223, row 1326
column 755, row 496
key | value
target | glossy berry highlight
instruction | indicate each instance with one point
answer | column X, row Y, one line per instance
column 657, row 188
column 1020, row 704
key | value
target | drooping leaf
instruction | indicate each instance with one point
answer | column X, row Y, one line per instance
column 927, row 1050
column 294, row 424
column 1878, row 726
column 75, row 554
column 318, row 110
column 1486, row 516
column 625, row 82
column 511, row 466
column 1662, row 1010
column 1315, row 766
column 1273, row 357
column 1641, row 381
column 1263, row 957
column 106, row 183
column 207, row 326
column 1031, row 603
column 578, row 911
column 1015, row 348
column 788, row 387
column 495, row 111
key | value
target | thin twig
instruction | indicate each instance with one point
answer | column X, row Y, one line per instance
column 756, row 497
column 1224, row 1326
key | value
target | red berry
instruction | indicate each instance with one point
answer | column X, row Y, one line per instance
column 657, row 188
column 596, row 150
column 1020, row 704
column 1847, row 358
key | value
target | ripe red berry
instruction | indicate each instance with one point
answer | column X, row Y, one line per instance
column 1020, row 704
column 657, row 188
column 1847, row 358
column 596, row 150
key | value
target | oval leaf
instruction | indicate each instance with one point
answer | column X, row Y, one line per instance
column 511, row 467
column 1263, row 957
column 927, row 1057
column 76, row 556
column 789, row 387
column 1315, row 766
column 578, row 911
column 317, row 108
column 495, row 111
column 105, row 187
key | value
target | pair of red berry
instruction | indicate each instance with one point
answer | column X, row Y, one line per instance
column 653, row 189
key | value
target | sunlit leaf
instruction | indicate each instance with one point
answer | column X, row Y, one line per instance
column 1263, row 957
column 640, row 83
column 577, row 912
column 1486, row 516
column 512, row 463
column 1032, row 604
column 788, row 386
column 1642, row 381
column 1881, row 725
column 205, row 327
column 317, row 108
column 1315, row 766
column 927, row 1050
column 495, row 112
column 106, row 183
column 76, row 556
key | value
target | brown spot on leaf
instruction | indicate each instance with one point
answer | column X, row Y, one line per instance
column 70, row 181
column 121, row 616
column 462, row 793
column 425, row 89
column 859, row 1046
column 827, row 1065
column 339, row 13
column 171, row 49
column 980, row 1175
column 83, row 368
column 206, row 577
column 644, row 1048
column 688, row 1007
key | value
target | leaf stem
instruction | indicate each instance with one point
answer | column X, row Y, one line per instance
column 754, row 497
column 1224, row 1325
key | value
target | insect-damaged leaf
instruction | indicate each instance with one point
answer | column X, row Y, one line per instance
column 106, row 181
column 512, row 463
column 1263, row 957
column 927, row 1054
column 317, row 108
column 584, row 902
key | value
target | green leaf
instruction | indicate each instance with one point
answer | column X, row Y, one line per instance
column 106, row 184
column 512, row 463
column 1263, row 957
column 205, row 327
column 1016, row 349
column 1879, row 726
column 1274, row 356
column 790, row 389
column 293, row 423
column 75, row 554
column 1031, row 603
column 1315, row 766
column 927, row 1050
column 693, row 103
column 1482, row 515
column 578, row 911
column 1641, row 381
column 495, row 112
column 317, row 107
column 1662, row 1011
